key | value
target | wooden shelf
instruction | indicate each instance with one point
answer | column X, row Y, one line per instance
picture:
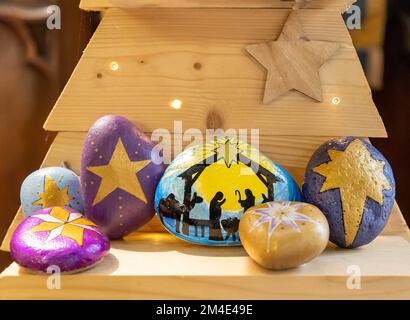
column 159, row 266
column 156, row 265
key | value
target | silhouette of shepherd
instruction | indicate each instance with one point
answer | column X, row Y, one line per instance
column 215, row 213
column 248, row 202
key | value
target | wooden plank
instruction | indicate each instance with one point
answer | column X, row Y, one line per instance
column 198, row 56
column 216, row 273
column 100, row 5
column 68, row 145
column 395, row 227
column 287, row 151
column 291, row 152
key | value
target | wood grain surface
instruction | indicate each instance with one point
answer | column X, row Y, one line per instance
column 99, row 5
column 139, row 61
column 293, row 61
column 160, row 266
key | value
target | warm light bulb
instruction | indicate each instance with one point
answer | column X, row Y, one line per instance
column 176, row 104
column 336, row 100
column 114, row 66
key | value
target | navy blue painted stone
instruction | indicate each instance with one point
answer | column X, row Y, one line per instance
column 353, row 184
column 206, row 189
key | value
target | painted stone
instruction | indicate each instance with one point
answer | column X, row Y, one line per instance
column 51, row 187
column 207, row 188
column 58, row 237
column 119, row 176
column 283, row 235
column 353, row 184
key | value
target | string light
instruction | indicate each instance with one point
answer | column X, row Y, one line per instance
column 114, row 66
column 176, row 104
column 336, row 100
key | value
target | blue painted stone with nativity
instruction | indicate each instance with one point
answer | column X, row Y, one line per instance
column 51, row 187
column 207, row 188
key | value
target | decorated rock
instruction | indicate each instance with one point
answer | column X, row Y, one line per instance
column 119, row 176
column 51, row 187
column 353, row 184
column 283, row 235
column 208, row 187
column 58, row 237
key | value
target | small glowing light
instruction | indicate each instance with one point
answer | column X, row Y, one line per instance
column 114, row 66
column 336, row 100
column 176, row 104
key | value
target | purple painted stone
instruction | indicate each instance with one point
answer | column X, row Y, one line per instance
column 119, row 176
column 58, row 237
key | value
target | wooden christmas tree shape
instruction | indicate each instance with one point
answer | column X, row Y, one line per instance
column 137, row 63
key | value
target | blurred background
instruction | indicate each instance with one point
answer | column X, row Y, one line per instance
column 36, row 63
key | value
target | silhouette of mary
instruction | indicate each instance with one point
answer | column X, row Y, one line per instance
column 215, row 213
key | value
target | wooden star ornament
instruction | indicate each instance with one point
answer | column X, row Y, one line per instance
column 293, row 61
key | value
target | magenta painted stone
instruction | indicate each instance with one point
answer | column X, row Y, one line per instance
column 119, row 176
column 58, row 237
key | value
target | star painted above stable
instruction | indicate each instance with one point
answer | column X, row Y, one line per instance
column 293, row 61
column 228, row 151
column 120, row 173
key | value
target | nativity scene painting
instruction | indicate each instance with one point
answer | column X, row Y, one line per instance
column 208, row 187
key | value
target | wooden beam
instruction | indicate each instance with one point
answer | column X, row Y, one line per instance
column 138, row 62
column 290, row 151
column 100, row 5
column 161, row 266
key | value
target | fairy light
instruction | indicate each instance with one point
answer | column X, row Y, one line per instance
column 336, row 100
column 114, row 66
column 176, row 104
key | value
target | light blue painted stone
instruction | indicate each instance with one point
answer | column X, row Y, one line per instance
column 64, row 189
